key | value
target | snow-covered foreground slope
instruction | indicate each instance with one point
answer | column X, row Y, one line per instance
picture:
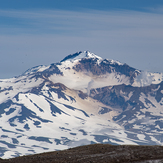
column 55, row 119
column 81, row 100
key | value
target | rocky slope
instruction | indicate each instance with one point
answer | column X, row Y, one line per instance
column 97, row 153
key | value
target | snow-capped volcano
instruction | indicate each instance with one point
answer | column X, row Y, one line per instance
column 81, row 55
column 81, row 100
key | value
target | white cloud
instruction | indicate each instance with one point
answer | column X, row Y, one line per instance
column 144, row 79
column 90, row 84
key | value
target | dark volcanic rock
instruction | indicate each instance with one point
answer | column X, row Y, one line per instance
column 71, row 56
column 82, row 95
column 53, row 69
column 106, row 66
column 89, row 65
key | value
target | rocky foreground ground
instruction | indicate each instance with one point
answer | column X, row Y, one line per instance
column 97, row 153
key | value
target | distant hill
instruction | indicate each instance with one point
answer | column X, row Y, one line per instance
column 100, row 153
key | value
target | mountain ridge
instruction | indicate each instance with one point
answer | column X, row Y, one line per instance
column 81, row 100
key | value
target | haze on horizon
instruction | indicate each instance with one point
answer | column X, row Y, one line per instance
column 40, row 33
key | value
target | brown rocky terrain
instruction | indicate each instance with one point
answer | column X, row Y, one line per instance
column 97, row 153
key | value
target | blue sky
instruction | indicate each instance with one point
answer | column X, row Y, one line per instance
column 41, row 32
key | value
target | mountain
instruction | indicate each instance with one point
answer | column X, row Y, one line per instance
column 81, row 100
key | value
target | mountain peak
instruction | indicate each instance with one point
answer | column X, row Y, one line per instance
column 80, row 55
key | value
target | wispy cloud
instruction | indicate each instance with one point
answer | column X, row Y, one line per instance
column 88, row 21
